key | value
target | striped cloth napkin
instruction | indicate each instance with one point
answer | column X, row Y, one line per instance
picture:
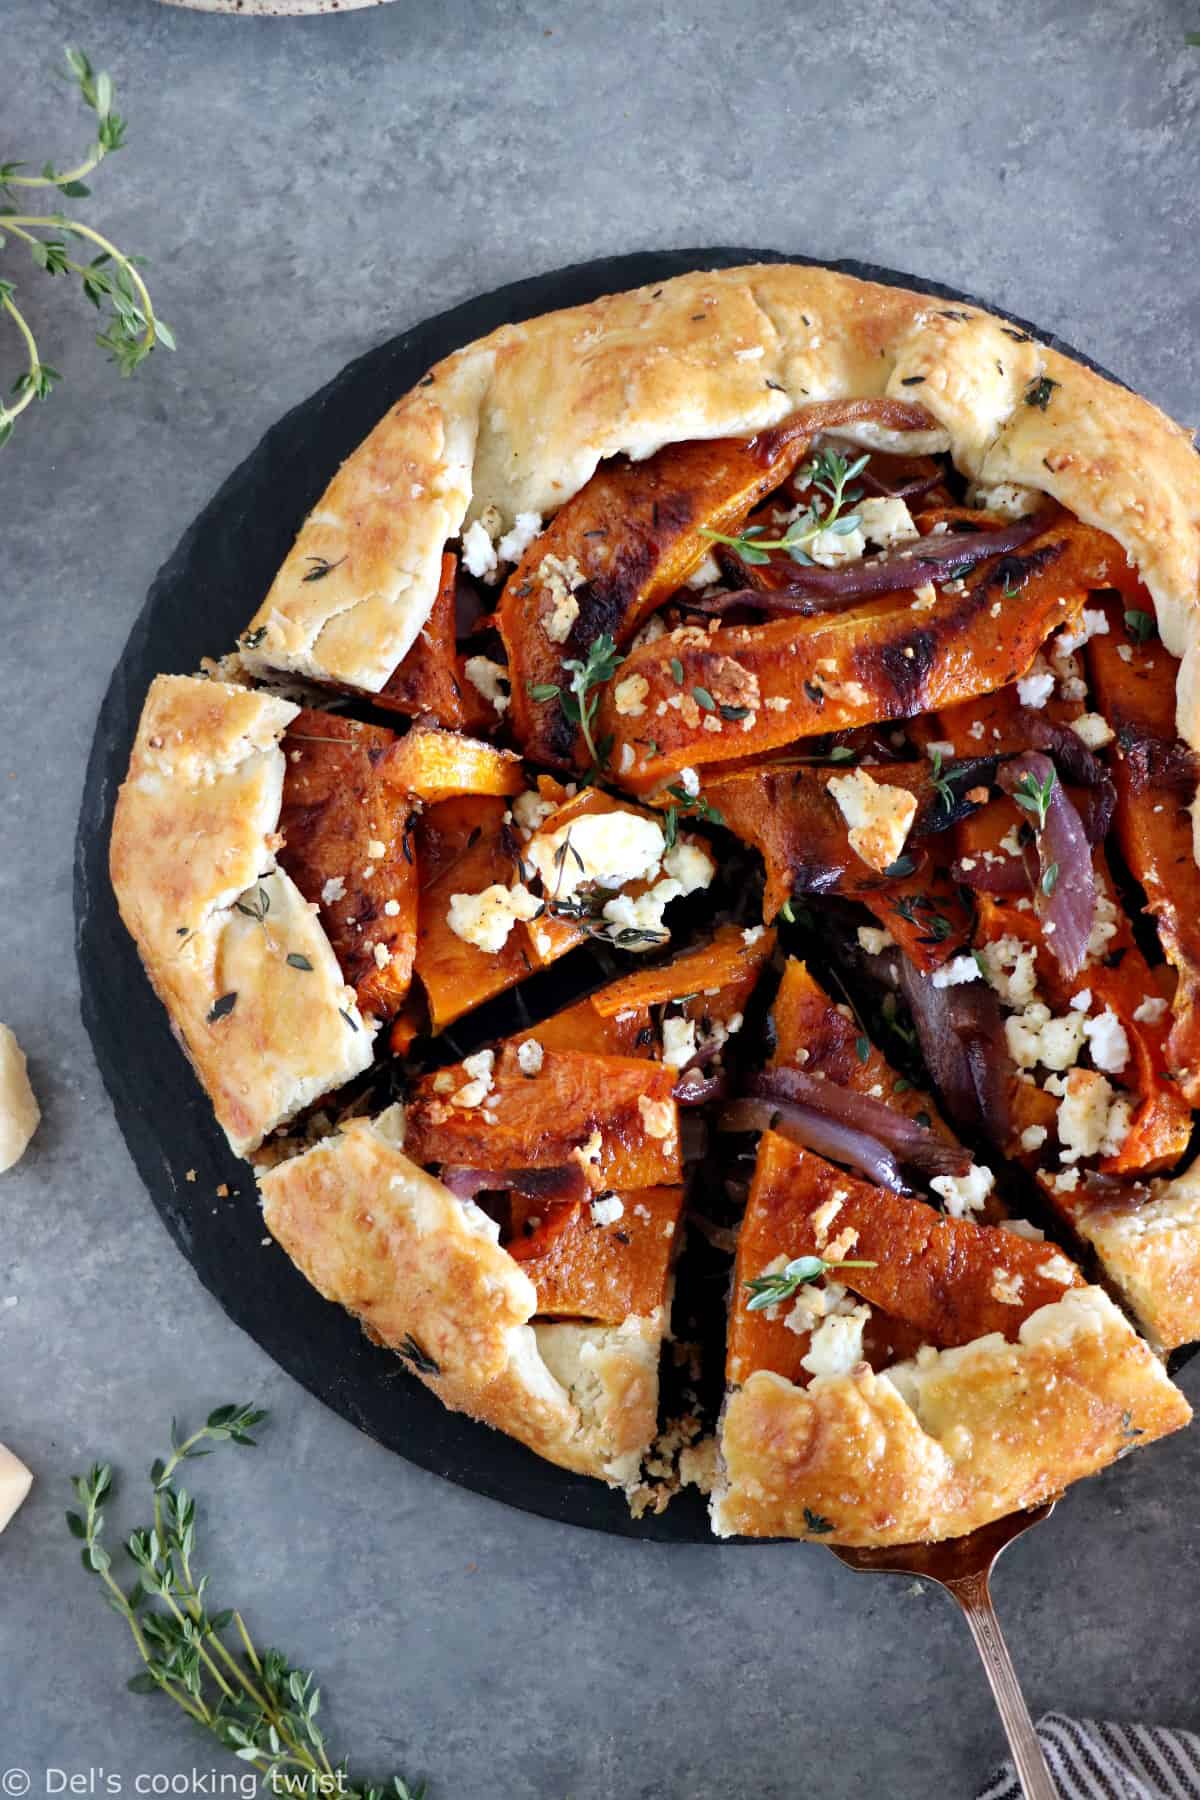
column 1091, row 1759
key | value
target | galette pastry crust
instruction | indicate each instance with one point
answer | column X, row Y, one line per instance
column 932, row 1450
column 1151, row 1250
column 519, row 421
column 194, row 834
column 419, row 1267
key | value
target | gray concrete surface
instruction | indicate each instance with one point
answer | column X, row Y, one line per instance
column 305, row 188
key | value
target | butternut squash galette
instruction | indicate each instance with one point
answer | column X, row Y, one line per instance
column 808, row 671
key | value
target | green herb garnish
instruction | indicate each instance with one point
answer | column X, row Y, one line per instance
column 1038, row 392
column 828, row 473
column 253, row 1703
column 579, row 700
column 769, row 1290
column 1034, row 795
column 940, row 782
column 1050, row 880
column 817, row 1523
column 109, row 279
column 1141, row 626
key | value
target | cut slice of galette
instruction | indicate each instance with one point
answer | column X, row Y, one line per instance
column 724, row 755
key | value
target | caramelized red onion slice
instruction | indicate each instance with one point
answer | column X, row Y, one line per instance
column 812, row 589
column 916, row 1146
column 565, row 1181
column 961, row 1032
column 694, row 1087
column 1160, row 763
column 816, row 1131
column 1065, row 892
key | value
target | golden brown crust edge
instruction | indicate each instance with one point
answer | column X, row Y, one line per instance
column 932, row 1452
column 1151, row 1252
column 520, row 420
column 425, row 1275
column 194, row 832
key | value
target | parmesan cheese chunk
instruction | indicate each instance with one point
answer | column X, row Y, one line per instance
column 15, row 1483
column 19, row 1111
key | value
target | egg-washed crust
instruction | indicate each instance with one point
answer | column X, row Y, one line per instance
column 192, row 860
column 520, row 420
column 992, row 1427
column 424, row 1273
column 1150, row 1249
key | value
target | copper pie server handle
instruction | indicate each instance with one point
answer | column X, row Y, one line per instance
column 963, row 1566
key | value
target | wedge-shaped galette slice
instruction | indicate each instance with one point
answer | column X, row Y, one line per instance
column 426, row 1274
column 264, row 859
column 898, row 1376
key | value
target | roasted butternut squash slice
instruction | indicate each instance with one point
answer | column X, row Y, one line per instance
column 786, row 812
column 349, row 847
column 709, row 696
column 432, row 682
column 614, row 1115
column 609, row 1269
column 627, row 540
column 1133, row 677
column 947, row 1280
column 815, row 1033
column 434, row 765
column 462, row 849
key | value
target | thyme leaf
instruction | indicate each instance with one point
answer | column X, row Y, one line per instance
column 828, row 474
column 770, row 1290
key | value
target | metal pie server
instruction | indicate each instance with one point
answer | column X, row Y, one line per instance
column 963, row 1566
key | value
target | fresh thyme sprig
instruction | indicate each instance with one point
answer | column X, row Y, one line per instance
column 941, row 782
column 769, row 1290
column 1034, row 795
column 109, row 278
column 580, row 699
column 255, row 1705
column 828, row 473
column 693, row 804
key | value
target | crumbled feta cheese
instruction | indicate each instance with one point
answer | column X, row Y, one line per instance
column 832, row 548
column 958, row 970
column 821, row 1217
column 678, row 1042
column 689, row 781
column 609, row 849
column 1105, row 923
column 1022, row 1228
column 559, row 577
column 1092, row 1119
column 658, row 1116
column 1011, row 967
column 885, row 521
column 629, row 696
column 530, row 1057
column 607, row 1209
column 874, row 939
column 489, row 679
column 1007, row 498
column 963, row 1194
column 837, row 1343
column 705, row 573
column 1092, row 623
column 940, row 748
column 334, row 889
column 1034, row 1037
column 1033, row 1137
column 1107, row 1042
column 391, row 908
column 588, row 1155
column 478, row 551
column 642, row 914
column 376, row 848
column 1066, row 1181
column 752, row 934
column 924, row 598
column 689, row 866
column 1035, row 688
column 1150, row 1011
column 1056, row 1266
column 1093, row 730
column 879, row 816
column 1006, row 1287
column 485, row 919
column 530, row 811
column 1081, row 1002
column 514, row 543
column 1125, row 652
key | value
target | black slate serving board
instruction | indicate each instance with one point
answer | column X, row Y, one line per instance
column 199, row 602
